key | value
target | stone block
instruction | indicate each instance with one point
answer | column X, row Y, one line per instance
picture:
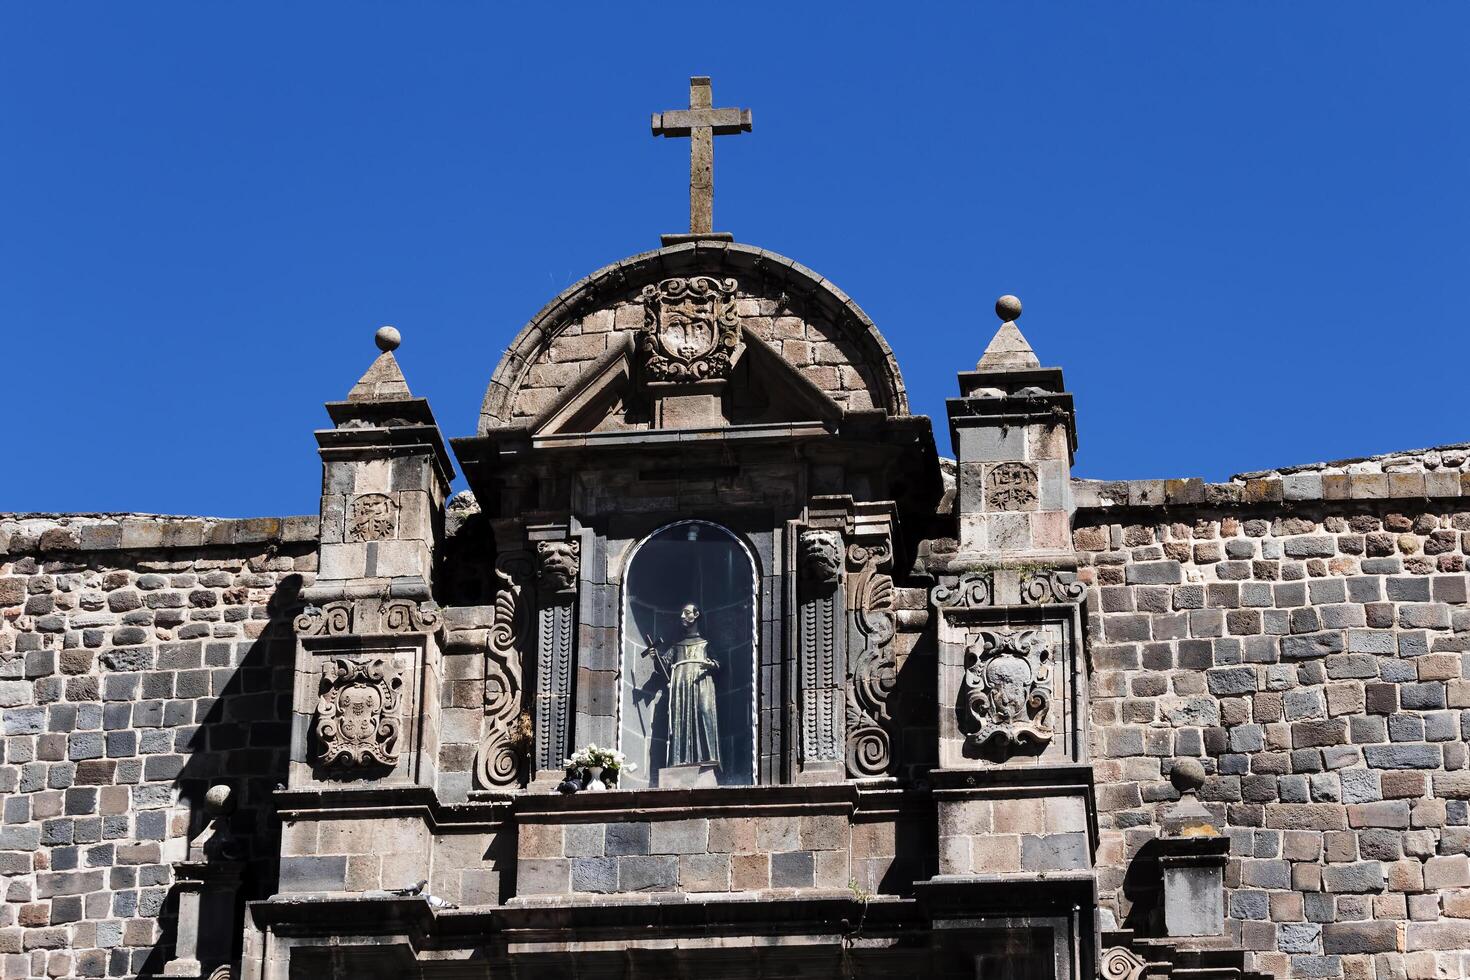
column 1054, row 852
column 656, row 873
column 793, row 869
column 750, row 872
column 595, row 874
column 543, row 876
column 704, row 872
column 679, row 837
column 313, row 874
column 1359, row 937
column 627, row 838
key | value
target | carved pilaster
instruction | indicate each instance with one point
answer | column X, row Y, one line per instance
column 873, row 665
column 497, row 761
column 819, row 569
column 558, row 568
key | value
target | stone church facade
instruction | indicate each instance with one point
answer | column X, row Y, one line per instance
column 960, row 718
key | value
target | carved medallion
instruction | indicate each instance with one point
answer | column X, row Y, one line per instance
column 1010, row 486
column 558, row 564
column 692, row 328
column 372, row 517
column 357, row 715
column 819, row 557
column 1007, row 691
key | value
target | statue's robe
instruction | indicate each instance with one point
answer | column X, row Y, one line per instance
column 694, row 736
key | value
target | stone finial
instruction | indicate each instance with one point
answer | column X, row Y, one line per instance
column 1008, row 308
column 384, row 380
column 1187, row 775
column 1008, row 350
column 219, row 800
column 1188, row 818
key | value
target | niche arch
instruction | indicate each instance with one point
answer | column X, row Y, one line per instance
column 711, row 567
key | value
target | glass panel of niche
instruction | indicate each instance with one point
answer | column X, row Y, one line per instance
column 687, row 701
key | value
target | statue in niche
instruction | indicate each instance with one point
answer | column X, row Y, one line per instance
column 688, row 671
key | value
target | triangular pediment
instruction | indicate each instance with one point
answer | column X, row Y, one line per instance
column 610, row 395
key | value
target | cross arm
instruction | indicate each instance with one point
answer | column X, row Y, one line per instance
column 722, row 122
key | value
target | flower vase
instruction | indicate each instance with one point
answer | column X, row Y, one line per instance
column 594, row 779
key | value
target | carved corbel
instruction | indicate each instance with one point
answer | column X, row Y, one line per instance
column 497, row 762
column 874, row 666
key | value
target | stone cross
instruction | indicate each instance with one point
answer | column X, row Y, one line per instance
column 701, row 123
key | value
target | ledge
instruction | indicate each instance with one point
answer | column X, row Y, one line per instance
column 57, row 534
column 746, row 801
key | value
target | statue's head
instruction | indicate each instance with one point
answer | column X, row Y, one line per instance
column 689, row 616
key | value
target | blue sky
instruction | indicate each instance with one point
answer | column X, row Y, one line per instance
column 1241, row 229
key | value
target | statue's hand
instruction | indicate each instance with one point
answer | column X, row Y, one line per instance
column 713, row 666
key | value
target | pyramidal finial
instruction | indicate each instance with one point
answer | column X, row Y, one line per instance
column 1008, row 349
column 384, row 380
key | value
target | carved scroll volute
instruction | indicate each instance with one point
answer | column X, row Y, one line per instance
column 497, row 763
column 874, row 667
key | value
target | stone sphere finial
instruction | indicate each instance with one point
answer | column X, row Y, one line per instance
column 219, row 800
column 1187, row 775
column 387, row 338
column 1008, row 308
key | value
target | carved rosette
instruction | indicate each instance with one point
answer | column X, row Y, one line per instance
column 1011, row 486
column 970, row 591
column 1046, row 586
column 497, row 762
column 406, row 616
column 357, row 714
column 1006, row 694
column 558, row 564
column 692, row 328
column 332, row 619
column 874, row 667
column 372, row 517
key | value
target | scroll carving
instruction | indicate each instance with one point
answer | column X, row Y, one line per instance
column 692, row 328
column 1120, row 963
column 1038, row 588
column 357, row 714
column 972, row 590
column 874, row 667
column 1006, row 694
column 558, row 565
column 372, row 517
column 332, row 619
column 497, row 762
column 405, row 616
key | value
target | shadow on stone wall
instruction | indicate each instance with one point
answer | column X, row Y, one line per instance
column 243, row 740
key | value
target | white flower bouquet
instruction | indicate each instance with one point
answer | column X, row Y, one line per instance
column 597, row 768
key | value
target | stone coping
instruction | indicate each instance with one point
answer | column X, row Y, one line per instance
column 27, row 534
column 1275, row 489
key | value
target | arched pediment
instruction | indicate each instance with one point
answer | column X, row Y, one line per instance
column 809, row 322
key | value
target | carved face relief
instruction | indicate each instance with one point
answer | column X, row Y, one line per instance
column 819, row 557
column 560, row 563
column 1007, row 692
column 358, row 720
column 692, row 328
column 1011, row 486
column 372, row 517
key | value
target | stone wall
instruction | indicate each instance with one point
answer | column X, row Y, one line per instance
column 1306, row 633
column 141, row 660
